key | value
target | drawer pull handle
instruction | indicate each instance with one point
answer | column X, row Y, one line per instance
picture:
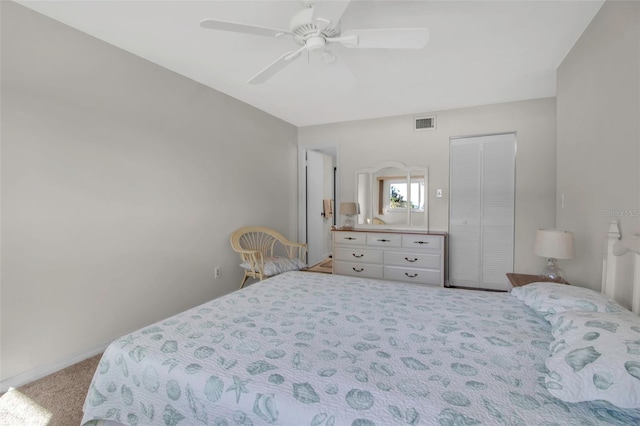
column 349, row 238
column 357, row 255
column 415, row 259
column 384, row 241
column 421, row 242
column 358, row 269
column 411, row 275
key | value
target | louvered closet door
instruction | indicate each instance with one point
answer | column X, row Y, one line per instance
column 498, row 210
column 482, row 211
column 464, row 214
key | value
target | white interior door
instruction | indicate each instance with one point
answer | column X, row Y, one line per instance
column 319, row 179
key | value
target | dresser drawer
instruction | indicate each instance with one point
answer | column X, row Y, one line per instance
column 422, row 241
column 356, row 269
column 358, row 254
column 350, row 238
column 384, row 240
column 418, row 276
column 412, row 260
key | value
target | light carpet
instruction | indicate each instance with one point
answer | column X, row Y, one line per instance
column 55, row 400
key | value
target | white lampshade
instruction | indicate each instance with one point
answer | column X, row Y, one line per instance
column 554, row 244
column 348, row 209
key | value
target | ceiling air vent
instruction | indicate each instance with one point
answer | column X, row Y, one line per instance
column 424, row 123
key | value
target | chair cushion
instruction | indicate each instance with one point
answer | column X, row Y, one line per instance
column 277, row 265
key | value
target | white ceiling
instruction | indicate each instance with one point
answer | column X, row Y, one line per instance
column 479, row 52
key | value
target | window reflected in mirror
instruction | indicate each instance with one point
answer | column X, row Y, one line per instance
column 392, row 195
column 395, row 194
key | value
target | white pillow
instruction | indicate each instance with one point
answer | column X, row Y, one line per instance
column 595, row 356
column 553, row 298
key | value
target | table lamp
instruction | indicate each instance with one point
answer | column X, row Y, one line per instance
column 554, row 244
column 348, row 210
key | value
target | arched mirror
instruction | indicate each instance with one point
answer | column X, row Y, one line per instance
column 392, row 195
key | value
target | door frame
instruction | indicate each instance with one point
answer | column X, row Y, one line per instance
column 332, row 151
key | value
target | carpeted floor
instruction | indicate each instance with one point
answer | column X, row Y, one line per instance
column 55, row 400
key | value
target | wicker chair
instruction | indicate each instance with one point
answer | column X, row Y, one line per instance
column 256, row 244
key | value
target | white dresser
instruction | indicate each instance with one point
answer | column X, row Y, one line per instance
column 409, row 256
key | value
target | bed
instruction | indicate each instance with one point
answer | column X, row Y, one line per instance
column 315, row 349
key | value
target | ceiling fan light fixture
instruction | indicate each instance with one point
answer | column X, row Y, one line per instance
column 328, row 57
column 316, row 43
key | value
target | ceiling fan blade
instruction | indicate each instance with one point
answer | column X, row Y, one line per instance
column 328, row 12
column 243, row 28
column 274, row 67
column 386, row 38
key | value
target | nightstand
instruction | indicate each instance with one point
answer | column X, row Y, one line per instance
column 518, row 280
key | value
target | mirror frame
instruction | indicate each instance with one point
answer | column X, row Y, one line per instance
column 410, row 171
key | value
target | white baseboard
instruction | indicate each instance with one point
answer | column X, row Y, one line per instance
column 44, row 370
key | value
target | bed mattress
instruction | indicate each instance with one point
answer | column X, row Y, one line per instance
column 315, row 349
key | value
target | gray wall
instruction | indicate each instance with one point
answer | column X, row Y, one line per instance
column 598, row 156
column 121, row 183
column 367, row 143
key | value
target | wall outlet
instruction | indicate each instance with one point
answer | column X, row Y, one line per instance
column 218, row 272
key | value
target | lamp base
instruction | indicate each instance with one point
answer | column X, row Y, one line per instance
column 347, row 223
column 552, row 272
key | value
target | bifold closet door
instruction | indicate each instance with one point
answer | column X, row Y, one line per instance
column 464, row 213
column 482, row 209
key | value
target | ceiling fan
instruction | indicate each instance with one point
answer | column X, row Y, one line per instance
column 317, row 26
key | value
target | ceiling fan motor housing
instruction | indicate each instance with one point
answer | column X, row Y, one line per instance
column 303, row 27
